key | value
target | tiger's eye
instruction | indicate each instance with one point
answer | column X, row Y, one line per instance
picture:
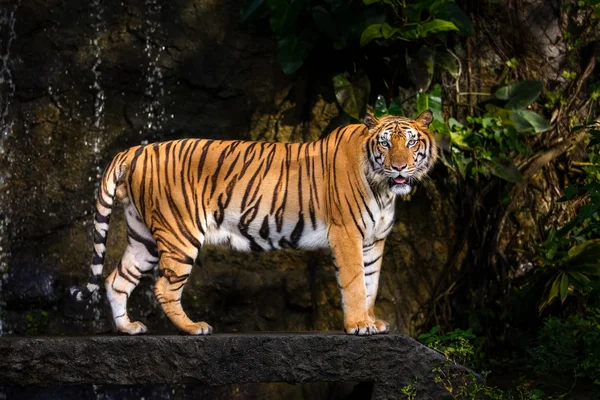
column 385, row 144
column 411, row 143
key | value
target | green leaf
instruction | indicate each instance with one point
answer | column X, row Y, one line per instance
column 535, row 120
column 504, row 167
column 422, row 102
column 396, row 107
column 371, row 33
column 552, row 294
column 519, row 122
column 454, row 14
column 324, row 21
column 459, row 140
column 251, row 10
column 380, row 107
column 587, row 253
column 284, row 16
column 387, row 31
column 504, row 115
column 431, row 100
column 291, row 53
column 435, row 26
column 584, row 213
column 570, row 193
column 439, row 127
column 352, row 97
column 579, row 280
column 564, row 287
column 520, row 94
column 448, row 62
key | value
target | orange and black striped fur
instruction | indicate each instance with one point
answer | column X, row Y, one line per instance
column 338, row 192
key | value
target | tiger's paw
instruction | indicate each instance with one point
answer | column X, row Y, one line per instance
column 361, row 328
column 132, row 328
column 382, row 326
column 198, row 328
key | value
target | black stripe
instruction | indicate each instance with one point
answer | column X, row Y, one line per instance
column 368, row 263
column 101, row 219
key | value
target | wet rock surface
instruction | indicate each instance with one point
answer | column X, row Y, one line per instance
column 31, row 283
column 388, row 361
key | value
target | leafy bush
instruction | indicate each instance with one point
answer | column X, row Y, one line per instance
column 456, row 345
column 569, row 349
column 570, row 256
column 299, row 25
column 459, row 347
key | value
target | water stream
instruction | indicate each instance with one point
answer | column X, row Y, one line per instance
column 154, row 92
column 99, row 26
column 7, row 92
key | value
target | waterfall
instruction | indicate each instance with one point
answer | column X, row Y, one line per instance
column 7, row 92
column 99, row 26
column 154, row 110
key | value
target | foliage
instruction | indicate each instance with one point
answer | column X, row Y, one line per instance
column 486, row 145
column 569, row 349
column 458, row 346
column 37, row 321
column 570, row 255
column 411, row 390
column 299, row 25
column 415, row 21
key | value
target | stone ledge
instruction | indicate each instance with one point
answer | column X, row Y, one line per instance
column 389, row 361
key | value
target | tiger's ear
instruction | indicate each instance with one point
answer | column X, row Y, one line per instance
column 425, row 118
column 370, row 121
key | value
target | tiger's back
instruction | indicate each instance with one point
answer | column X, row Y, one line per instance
column 253, row 196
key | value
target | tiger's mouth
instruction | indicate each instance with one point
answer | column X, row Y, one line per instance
column 400, row 185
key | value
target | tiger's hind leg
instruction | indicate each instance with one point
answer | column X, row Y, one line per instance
column 174, row 271
column 140, row 257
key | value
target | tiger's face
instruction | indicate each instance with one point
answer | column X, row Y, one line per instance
column 400, row 151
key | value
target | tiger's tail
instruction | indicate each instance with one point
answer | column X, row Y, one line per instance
column 107, row 189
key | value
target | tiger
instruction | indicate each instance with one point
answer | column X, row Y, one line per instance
column 337, row 192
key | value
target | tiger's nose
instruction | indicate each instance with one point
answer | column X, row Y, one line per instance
column 398, row 167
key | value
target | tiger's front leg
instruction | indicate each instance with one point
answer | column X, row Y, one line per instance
column 347, row 255
column 372, row 258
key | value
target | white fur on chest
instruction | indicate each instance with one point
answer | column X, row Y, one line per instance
column 384, row 219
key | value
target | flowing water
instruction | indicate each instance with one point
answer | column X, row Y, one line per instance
column 7, row 92
column 154, row 92
column 99, row 26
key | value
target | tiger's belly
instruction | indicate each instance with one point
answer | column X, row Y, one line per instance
column 264, row 234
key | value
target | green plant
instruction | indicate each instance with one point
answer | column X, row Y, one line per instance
column 456, row 345
column 415, row 21
column 488, row 144
column 459, row 347
column 570, row 255
column 299, row 25
column 37, row 321
column 570, row 348
column 410, row 390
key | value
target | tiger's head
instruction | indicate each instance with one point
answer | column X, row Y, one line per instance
column 400, row 151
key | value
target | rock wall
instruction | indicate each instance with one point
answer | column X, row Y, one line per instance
column 95, row 77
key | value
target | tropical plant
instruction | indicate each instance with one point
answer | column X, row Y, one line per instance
column 299, row 25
